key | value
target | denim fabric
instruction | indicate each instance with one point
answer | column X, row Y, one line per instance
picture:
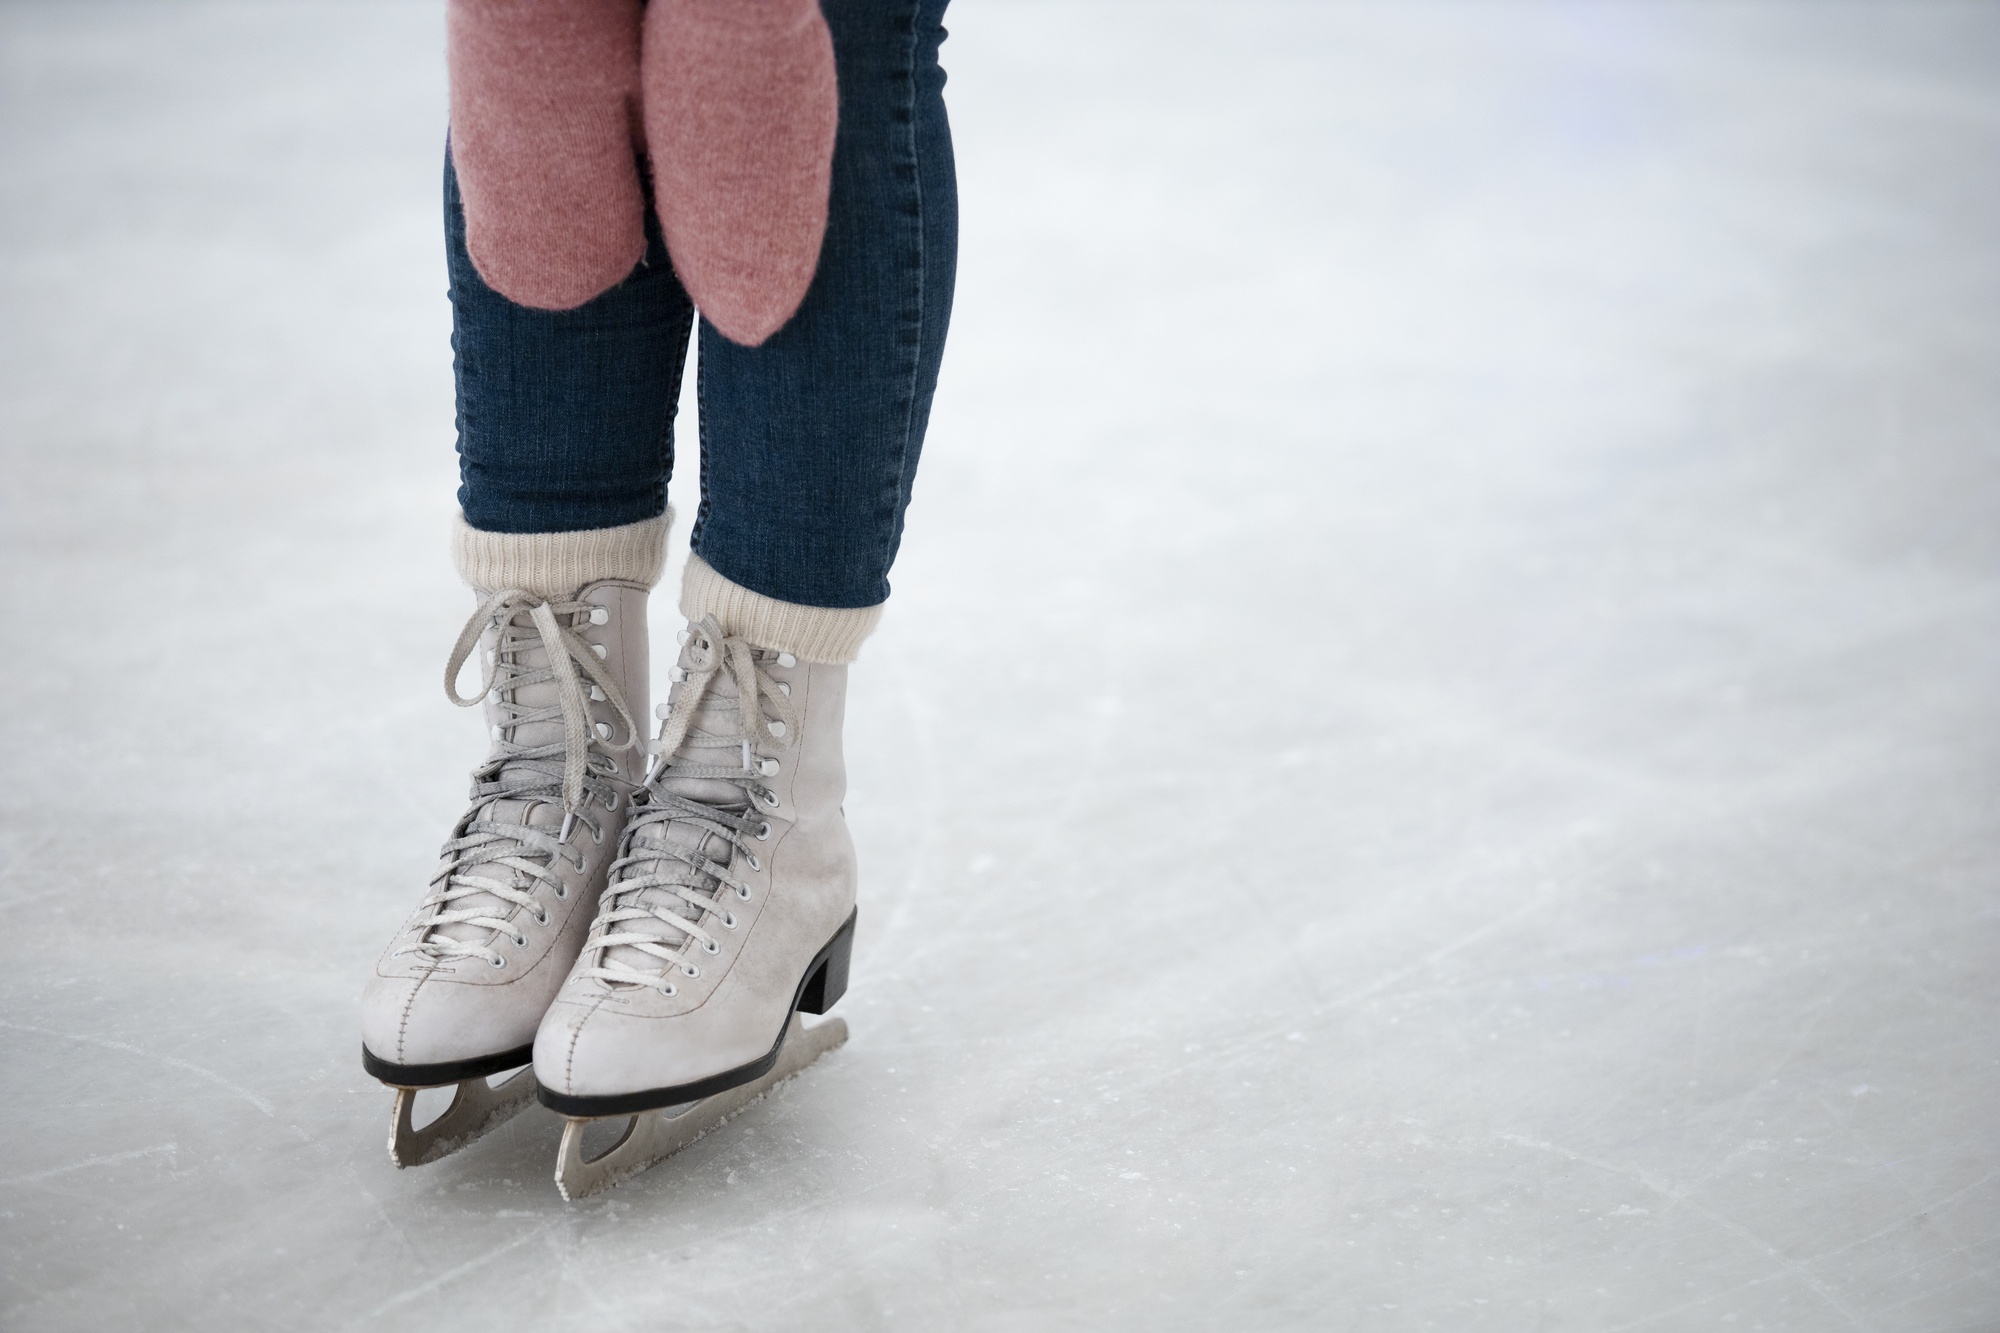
column 809, row 443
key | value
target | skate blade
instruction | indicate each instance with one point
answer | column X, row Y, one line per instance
column 477, row 1109
column 654, row 1135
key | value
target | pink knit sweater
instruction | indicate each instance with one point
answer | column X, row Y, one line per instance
column 732, row 101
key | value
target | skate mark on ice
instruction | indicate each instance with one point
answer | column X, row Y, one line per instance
column 1909, row 1219
column 106, row 1160
column 1708, row 1299
column 1920, row 1211
column 1786, row 1267
column 13, row 866
column 1715, row 1159
column 1980, row 1275
column 174, row 1061
column 453, row 1274
column 1439, row 954
column 388, row 1221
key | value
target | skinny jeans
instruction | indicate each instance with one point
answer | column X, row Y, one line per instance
column 809, row 442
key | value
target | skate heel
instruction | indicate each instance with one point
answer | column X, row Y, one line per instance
column 829, row 980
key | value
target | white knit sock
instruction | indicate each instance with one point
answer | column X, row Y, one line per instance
column 554, row 564
column 816, row 633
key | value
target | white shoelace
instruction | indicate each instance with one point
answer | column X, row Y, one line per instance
column 573, row 773
column 666, row 885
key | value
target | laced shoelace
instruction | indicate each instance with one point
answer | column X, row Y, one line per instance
column 494, row 857
column 665, row 887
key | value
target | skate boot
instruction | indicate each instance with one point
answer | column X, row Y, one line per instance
column 729, row 911
column 457, row 996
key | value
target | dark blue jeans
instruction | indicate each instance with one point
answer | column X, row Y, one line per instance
column 809, row 443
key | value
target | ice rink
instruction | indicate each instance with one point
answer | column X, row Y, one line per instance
column 1432, row 764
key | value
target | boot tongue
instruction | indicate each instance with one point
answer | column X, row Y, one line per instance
column 718, row 715
column 543, row 815
column 524, row 652
column 663, row 836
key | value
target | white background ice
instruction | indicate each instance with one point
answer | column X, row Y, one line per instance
column 1432, row 763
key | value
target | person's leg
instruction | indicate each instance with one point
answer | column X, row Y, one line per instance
column 565, row 442
column 565, row 417
column 810, row 442
column 733, row 903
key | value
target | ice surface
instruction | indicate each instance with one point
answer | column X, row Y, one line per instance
column 1432, row 764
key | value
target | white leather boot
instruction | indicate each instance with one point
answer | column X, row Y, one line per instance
column 731, row 906
column 459, row 992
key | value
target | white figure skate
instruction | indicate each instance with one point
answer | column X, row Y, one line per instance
column 459, row 992
column 729, row 912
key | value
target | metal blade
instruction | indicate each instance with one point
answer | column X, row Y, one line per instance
column 653, row 1135
column 477, row 1108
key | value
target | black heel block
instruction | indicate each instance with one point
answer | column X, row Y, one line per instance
column 829, row 980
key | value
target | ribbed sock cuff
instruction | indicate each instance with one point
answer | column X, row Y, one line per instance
column 816, row 633
column 554, row 564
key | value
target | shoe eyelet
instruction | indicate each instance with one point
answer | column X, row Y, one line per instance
column 599, row 616
column 711, row 948
column 562, row 890
column 755, row 864
column 787, row 660
column 729, row 920
column 670, row 990
column 691, row 969
column 764, row 831
column 520, row 941
column 542, row 918
column 768, row 768
column 497, row 961
column 611, row 801
column 770, row 798
column 743, row 892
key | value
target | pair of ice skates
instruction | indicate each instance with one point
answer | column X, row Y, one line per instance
column 642, row 935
